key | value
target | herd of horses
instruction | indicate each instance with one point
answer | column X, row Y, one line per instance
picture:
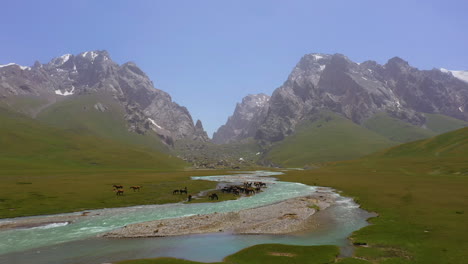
column 247, row 188
column 119, row 190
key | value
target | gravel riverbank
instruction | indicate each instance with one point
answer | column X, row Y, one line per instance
column 290, row 216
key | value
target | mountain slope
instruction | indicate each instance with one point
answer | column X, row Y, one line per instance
column 245, row 121
column 30, row 145
column 418, row 190
column 94, row 73
column 453, row 144
column 326, row 137
column 98, row 114
column 396, row 129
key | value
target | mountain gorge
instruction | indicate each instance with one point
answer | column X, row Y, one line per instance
column 91, row 84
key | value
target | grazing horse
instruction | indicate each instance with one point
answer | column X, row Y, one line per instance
column 136, row 188
column 250, row 190
column 213, row 196
column 176, row 191
column 183, row 191
column 119, row 192
column 189, row 198
column 117, row 186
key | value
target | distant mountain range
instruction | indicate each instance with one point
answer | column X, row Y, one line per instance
column 357, row 91
column 329, row 108
column 124, row 91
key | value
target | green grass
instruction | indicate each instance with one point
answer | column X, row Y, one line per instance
column 78, row 114
column 41, row 193
column 419, row 190
column 328, row 137
column 30, row 145
column 268, row 253
column 27, row 105
column 441, row 123
column 395, row 129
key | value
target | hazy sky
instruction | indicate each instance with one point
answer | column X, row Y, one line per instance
column 209, row 54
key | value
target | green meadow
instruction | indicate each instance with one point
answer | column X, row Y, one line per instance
column 418, row 189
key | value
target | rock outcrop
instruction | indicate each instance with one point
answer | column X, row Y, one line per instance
column 247, row 118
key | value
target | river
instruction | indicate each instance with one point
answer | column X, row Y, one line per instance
column 77, row 242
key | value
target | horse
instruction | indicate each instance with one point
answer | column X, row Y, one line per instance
column 119, row 192
column 176, row 191
column 117, row 186
column 213, row 196
column 250, row 190
column 136, row 188
column 183, row 191
column 189, row 198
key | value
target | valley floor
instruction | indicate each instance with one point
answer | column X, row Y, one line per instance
column 293, row 215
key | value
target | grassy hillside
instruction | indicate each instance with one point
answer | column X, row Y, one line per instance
column 243, row 154
column 28, row 144
column 441, row 123
column 328, row 137
column 419, row 190
column 26, row 104
column 78, row 114
column 395, row 129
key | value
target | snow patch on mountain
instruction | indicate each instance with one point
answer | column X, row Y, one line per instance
column 154, row 123
column 14, row 64
column 461, row 75
column 66, row 93
column 317, row 57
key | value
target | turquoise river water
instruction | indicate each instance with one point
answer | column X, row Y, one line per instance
column 77, row 242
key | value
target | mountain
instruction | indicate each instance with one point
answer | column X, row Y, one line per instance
column 247, row 118
column 66, row 80
column 360, row 91
column 396, row 101
column 462, row 75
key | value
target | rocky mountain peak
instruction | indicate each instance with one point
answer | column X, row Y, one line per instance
column 94, row 72
column 199, row 125
column 246, row 119
column 359, row 91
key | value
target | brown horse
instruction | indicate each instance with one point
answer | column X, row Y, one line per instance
column 119, row 192
column 117, row 186
column 134, row 188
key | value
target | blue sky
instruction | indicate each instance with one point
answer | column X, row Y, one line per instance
column 209, row 54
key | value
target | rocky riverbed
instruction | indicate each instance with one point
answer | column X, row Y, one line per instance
column 290, row 216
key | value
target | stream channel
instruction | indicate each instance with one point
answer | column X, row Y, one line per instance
column 77, row 242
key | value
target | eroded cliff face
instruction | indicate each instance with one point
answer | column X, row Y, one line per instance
column 247, row 118
column 357, row 91
column 94, row 72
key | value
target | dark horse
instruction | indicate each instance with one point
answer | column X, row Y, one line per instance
column 181, row 191
column 213, row 196
column 117, row 186
column 189, row 198
column 136, row 188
